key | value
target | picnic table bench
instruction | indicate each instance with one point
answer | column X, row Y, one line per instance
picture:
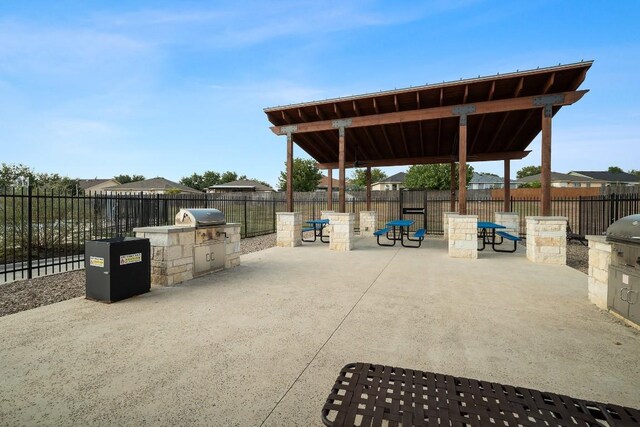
column 366, row 394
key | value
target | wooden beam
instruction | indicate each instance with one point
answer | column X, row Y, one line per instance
column 336, row 109
column 289, row 173
column 480, row 157
column 507, row 186
column 368, row 178
column 486, row 107
column 341, row 170
column 545, row 172
column 466, row 94
column 330, row 190
column 319, row 113
column 462, row 167
column 373, row 145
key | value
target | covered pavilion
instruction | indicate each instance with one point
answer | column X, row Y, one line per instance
column 480, row 119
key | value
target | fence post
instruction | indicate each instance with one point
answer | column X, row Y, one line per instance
column 29, row 230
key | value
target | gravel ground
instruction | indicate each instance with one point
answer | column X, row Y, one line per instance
column 27, row 294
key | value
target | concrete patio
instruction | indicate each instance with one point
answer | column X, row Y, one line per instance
column 262, row 344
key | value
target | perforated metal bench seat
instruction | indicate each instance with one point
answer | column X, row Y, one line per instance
column 365, row 394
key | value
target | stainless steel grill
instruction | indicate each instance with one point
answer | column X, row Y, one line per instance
column 209, row 250
column 200, row 217
column 624, row 272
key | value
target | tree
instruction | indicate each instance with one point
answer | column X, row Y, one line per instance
column 125, row 179
column 359, row 177
column 433, row 177
column 306, row 176
column 12, row 175
column 201, row 182
column 635, row 172
column 528, row 171
column 54, row 181
column 615, row 169
column 230, row 176
column 532, row 184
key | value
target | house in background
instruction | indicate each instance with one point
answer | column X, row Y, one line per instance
column 241, row 185
column 562, row 180
column 604, row 178
column 394, row 182
column 92, row 186
column 484, row 181
column 324, row 184
column 152, row 186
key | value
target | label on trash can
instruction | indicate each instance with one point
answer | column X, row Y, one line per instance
column 130, row 258
column 96, row 261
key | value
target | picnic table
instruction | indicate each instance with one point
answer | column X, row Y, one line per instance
column 488, row 238
column 366, row 394
column 317, row 226
column 398, row 230
column 484, row 226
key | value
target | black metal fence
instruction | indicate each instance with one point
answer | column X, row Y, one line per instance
column 42, row 232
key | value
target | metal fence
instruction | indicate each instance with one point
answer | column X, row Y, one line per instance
column 42, row 232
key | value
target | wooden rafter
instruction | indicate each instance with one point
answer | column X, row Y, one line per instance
column 487, row 107
column 492, row 90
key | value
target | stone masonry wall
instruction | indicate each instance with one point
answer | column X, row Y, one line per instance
column 511, row 220
column 547, row 239
column 342, row 231
column 171, row 253
column 232, row 247
column 463, row 236
column 289, row 229
column 599, row 261
column 445, row 223
column 368, row 223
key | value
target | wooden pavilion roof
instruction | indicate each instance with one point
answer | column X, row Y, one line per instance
column 420, row 125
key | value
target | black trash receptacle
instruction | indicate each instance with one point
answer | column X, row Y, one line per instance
column 117, row 268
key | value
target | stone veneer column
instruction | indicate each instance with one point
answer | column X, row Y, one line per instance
column 368, row 223
column 171, row 253
column 599, row 261
column 445, row 223
column 289, row 229
column 463, row 236
column 342, row 231
column 325, row 215
column 232, row 246
column 547, row 239
column 511, row 220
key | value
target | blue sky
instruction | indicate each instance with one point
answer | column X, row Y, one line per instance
column 165, row 88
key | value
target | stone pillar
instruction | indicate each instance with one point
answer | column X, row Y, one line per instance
column 289, row 229
column 232, row 247
column 342, row 231
column 547, row 239
column 171, row 253
column 325, row 215
column 445, row 223
column 511, row 220
column 463, row 236
column 368, row 223
column 599, row 261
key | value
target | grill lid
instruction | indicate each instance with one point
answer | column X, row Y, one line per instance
column 626, row 230
column 200, row 217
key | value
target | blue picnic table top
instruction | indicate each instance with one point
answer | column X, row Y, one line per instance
column 400, row 223
column 318, row 221
column 486, row 224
